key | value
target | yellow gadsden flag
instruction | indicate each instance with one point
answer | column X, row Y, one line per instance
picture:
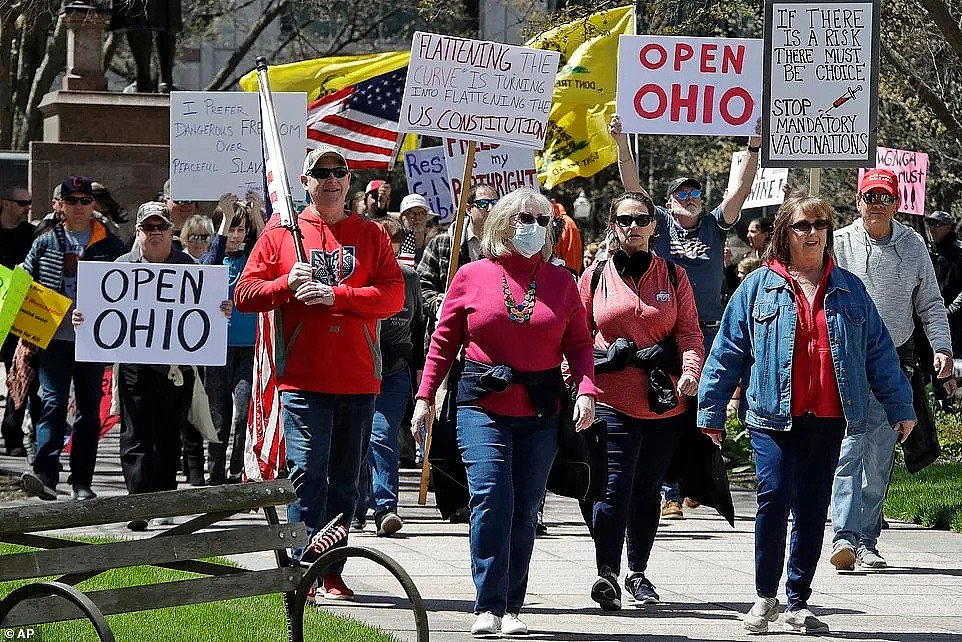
column 578, row 143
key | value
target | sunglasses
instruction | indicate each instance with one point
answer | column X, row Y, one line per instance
column 526, row 218
column 625, row 220
column 323, row 173
column 684, row 196
column 155, row 227
column 73, row 200
column 198, row 238
column 874, row 197
column 22, row 203
column 805, row 227
column 187, row 203
column 485, row 203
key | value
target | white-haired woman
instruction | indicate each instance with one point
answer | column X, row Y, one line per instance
column 516, row 316
column 197, row 235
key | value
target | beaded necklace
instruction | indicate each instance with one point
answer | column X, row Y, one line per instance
column 520, row 312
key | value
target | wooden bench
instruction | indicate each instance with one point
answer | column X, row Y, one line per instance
column 180, row 548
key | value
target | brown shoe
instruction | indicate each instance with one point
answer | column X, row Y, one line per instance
column 691, row 503
column 672, row 510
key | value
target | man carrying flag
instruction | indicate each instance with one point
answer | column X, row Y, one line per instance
column 327, row 360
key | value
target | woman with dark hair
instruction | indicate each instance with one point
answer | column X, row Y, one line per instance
column 641, row 310
column 758, row 235
column 807, row 344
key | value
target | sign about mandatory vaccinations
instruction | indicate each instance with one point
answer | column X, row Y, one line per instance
column 503, row 167
column 767, row 188
column 426, row 175
column 687, row 85
column 820, row 83
column 478, row 90
column 152, row 313
column 215, row 142
column 911, row 168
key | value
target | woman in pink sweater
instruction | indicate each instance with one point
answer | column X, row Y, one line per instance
column 515, row 316
column 649, row 354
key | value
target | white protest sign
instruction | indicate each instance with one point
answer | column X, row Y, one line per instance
column 156, row 313
column 215, row 143
column 478, row 90
column 767, row 186
column 910, row 168
column 426, row 175
column 687, row 85
column 820, row 83
column 503, row 167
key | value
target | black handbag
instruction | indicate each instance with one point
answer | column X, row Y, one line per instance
column 580, row 469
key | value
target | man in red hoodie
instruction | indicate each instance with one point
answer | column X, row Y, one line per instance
column 328, row 362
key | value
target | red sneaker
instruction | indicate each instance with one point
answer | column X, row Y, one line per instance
column 335, row 589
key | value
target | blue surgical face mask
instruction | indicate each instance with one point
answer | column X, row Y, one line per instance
column 529, row 239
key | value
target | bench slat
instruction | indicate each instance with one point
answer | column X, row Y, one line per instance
column 156, row 596
column 231, row 498
column 155, row 550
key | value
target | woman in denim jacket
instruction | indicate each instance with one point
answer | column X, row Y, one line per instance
column 807, row 343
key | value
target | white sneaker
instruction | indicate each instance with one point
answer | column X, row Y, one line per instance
column 870, row 557
column 511, row 624
column 764, row 610
column 486, row 625
column 803, row 621
column 162, row 521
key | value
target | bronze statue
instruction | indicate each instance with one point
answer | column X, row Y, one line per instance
column 145, row 21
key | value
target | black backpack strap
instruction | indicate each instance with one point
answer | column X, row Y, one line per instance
column 672, row 276
column 596, row 275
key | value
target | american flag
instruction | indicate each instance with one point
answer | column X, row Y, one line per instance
column 264, row 452
column 361, row 121
column 408, row 250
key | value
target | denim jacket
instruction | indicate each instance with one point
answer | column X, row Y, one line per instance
column 756, row 341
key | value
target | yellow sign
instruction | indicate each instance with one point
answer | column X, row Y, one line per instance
column 42, row 312
column 14, row 285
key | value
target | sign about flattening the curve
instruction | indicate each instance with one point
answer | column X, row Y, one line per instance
column 686, row 85
column 215, row 142
column 820, row 83
column 478, row 90
column 152, row 313
column 503, row 167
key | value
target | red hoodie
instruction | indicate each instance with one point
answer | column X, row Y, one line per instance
column 814, row 386
column 329, row 349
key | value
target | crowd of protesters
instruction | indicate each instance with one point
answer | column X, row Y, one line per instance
column 658, row 331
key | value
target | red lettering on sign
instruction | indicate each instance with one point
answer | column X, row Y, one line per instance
column 659, row 50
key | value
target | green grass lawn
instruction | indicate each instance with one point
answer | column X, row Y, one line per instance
column 933, row 497
column 253, row 619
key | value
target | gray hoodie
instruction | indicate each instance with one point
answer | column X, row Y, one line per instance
column 897, row 274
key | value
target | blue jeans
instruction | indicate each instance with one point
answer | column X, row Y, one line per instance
column 326, row 437
column 55, row 369
column 639, row 451
column 382, row 458
column 794, row 470
column 862, row 480
column 507, row 460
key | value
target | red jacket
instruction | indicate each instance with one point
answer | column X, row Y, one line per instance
column 329, row 349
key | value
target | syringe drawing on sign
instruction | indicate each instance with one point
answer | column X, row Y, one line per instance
column 844, row 98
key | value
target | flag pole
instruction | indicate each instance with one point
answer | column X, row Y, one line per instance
column 281, row 199
column 456, row 233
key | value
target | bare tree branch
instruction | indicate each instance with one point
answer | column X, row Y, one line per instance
column 932, row 99
column 54, row 61
column 257, row 28
column 949, row 27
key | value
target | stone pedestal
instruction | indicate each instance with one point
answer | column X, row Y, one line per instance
column 85, row 35
column 106, row 117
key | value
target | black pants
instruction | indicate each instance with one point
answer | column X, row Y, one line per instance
column 12, row 430
column 153, row 414
column 229, row 391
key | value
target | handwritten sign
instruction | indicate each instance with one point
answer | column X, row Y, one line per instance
column 40, row 315
column 767, row 186
column 478, row 90
column 426, row 175
column 820, row 83
column 215, row 142
column 685, row 85
column 152, row 313
column 503, row 167
column 14, row 286
column 911, row 168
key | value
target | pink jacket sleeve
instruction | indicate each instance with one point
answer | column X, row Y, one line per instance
column 449, row 335
column 576, row 343
column 687, row 332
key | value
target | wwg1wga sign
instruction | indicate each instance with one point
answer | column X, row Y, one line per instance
column 25, row 633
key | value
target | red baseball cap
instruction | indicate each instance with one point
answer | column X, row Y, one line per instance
column 374, row 186
column 884, row 178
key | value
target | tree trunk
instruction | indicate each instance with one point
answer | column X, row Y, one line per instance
column 6, row 88
column 53, row 63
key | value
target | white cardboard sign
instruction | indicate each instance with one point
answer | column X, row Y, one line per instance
column 426, row 175
column 503, row 167
column 767, row 186
column 215, row 142
column 152, row 313
column 687, row 85
column 478, row 90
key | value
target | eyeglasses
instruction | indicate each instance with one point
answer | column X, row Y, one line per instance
column 198, row 238
column 805, row 227
column 526, row 218
column 874, row 197
column 684, row 196
column 185, row 203
column 155, row 227
column 73, row 200
column 415, row 212
column 485, row 203
column 323, row 173
column 22, row 203
column 625, row 220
